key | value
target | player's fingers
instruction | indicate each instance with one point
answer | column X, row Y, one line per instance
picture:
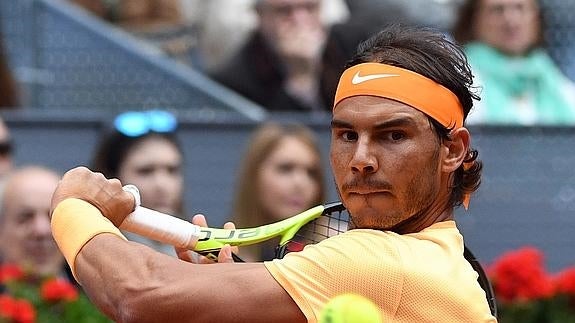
column 231, row 226
column 225, row 255
column 200, row 219
column 188, row 255
column 206, row 260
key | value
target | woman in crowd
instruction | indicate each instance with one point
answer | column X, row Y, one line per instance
column 142, row 150
column 280, row 176
column 519, row 82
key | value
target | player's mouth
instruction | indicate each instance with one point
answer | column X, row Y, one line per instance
column 367, row 192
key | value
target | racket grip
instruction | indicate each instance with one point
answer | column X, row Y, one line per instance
column 160, row 226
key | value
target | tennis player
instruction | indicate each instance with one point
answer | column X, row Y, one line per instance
column 402, row 162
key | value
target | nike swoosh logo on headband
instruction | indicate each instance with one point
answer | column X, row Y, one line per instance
column 357, row 79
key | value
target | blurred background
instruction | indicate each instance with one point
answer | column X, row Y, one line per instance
column 71, row 68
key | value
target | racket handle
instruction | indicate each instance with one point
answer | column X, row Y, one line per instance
column 159, row 226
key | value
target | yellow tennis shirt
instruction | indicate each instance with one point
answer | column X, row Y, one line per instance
column 418, row 277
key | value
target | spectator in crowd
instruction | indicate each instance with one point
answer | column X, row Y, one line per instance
column 519, row 82
column 25, row 235
column 224, row 26
column 279, row 65
column 280, row 176
column 6, row 148
column 142, row 150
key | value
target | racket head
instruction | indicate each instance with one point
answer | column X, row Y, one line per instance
column 333, row 220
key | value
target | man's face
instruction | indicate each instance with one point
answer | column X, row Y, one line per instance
column 511, row 26
column 385, row 158
column 278, row 17
column 25, row 237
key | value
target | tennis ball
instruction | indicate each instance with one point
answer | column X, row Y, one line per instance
column 350, row 308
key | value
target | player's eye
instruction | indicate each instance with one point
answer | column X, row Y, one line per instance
column 349, row 136
column 397, row 135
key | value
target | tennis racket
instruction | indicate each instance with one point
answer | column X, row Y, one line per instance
column 310, row 226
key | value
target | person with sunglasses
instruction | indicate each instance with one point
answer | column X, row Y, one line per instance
column 142, row 149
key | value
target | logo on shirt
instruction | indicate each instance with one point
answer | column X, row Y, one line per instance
column 357, row 79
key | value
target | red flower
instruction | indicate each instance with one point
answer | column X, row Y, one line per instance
column 25, row 312
column 565, row 281
column 17, row 310
column 520, row 276
column 6, row 306
column 55, row 290
column 10, row 272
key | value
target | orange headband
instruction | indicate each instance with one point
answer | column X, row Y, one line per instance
column 404, row 86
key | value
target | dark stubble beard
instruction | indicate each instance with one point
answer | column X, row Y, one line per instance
column 422, row 190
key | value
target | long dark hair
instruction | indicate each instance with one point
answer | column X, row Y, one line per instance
column 113, row 149
column 432, row 55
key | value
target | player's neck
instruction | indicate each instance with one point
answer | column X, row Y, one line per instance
column 425, row 218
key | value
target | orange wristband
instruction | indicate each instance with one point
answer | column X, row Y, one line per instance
column 74, row 223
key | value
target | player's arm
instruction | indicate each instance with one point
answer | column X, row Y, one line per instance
column 133, row 283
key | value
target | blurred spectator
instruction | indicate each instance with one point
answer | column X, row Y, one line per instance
column 8, row 88
column 281, row 175
column 6, row 148
column 223, row 28
column 25, row 234
column 160, row 22
column 279, row 65
column 519, row 82
column 225, row 25
column 142, row 150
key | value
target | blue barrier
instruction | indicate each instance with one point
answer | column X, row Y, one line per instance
column 67, row 59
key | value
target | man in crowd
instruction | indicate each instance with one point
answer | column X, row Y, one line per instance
column 279, row 66
column 25, row 236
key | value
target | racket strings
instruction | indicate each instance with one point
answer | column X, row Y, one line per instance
column 332, row 222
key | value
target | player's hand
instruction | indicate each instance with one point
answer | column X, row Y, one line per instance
column 225, row 254
column 105, row 194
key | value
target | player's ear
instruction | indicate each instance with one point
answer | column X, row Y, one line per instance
column 456, row 149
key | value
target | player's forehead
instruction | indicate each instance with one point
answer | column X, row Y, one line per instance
column 370, row 111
